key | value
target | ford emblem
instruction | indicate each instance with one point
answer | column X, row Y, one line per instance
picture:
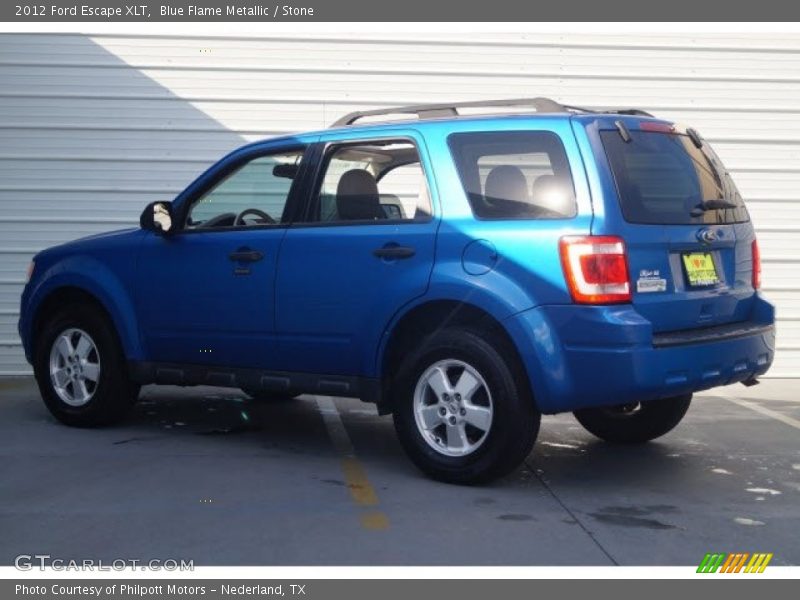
column 707, row 236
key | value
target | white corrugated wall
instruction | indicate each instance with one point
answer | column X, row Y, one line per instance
column 92, row 127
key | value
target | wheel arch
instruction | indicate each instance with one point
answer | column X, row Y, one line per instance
column 423, row 320
column 109, row 296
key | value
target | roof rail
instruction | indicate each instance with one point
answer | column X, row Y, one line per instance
column 612, row 111
column 450, row 109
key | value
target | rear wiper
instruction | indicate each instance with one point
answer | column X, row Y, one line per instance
column 713, row 204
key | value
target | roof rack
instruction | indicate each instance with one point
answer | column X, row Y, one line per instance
column 434, row 111
column 638, row 112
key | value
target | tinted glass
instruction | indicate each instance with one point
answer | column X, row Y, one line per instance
column 663, row 178
column 514, row 175
column 254, row 194
column 372, row 181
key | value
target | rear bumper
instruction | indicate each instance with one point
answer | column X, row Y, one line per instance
column 583, row 356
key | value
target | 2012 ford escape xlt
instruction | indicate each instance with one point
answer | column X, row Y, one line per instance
column 466, row 272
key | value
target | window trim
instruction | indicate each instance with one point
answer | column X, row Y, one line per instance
column 322, row 157
column 548, row 132
column 227, row 167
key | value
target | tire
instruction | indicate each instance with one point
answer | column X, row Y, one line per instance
column 513, row 421
column 109, row 398
column 635, row 423
column 267, row 396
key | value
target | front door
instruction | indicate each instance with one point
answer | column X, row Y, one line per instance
column 206, row 292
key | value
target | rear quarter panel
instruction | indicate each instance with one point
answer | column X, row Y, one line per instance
column 504, row 266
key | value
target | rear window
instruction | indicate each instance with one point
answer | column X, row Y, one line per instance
column 514, row 174
column 664, row 179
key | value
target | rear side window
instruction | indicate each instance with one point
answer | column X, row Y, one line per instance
column 372, row 181
column 514, row 174
column 664, row 179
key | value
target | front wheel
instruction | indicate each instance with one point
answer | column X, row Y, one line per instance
column 462, row 413
column 81, row 370
column 637, row 422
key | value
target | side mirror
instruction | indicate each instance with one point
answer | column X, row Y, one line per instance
column 286, row 170
column 157, row 217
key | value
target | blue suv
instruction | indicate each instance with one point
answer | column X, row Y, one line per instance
column 465, row 272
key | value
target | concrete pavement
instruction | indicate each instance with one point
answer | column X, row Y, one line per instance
column 206, row 474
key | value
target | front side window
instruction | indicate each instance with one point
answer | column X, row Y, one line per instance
column 514, row 174
column 377, row 181
column 254, row 194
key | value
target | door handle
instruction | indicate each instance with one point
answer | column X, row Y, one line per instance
column 246, row 255
column 394, row 252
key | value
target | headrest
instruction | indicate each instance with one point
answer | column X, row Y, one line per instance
column 506, row 182
column 357, row 197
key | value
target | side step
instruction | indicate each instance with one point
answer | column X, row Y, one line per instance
column 367, row 389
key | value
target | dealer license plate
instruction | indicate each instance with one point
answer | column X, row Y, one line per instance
column 700, row 269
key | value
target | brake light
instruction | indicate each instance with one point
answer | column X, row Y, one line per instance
column 596, row 269
column 756, row 265
column 657, row 127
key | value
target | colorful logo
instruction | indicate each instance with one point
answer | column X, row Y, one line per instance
column 734, row 562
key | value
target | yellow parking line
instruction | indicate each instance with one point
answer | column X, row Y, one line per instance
column 790, row 421
column 374, row 520
column 355, row 476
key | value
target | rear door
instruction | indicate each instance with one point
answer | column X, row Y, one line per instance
column 687, row 231
column 364, row 248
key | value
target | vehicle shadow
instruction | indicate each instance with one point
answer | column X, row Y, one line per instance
column 295, row 425
column 226, row 418
column 580, row 461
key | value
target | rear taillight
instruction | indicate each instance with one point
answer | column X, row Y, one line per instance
column 756, row 265
column 596, row 269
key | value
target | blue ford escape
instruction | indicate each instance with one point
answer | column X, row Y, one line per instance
column 467, row 273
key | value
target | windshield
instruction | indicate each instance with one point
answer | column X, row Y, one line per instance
column 663, row 178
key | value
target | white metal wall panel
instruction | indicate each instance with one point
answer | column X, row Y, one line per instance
column 92, row 127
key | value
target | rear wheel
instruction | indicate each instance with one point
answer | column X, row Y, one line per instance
column 460, row 413
column 637, row 422
column 80, row 368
